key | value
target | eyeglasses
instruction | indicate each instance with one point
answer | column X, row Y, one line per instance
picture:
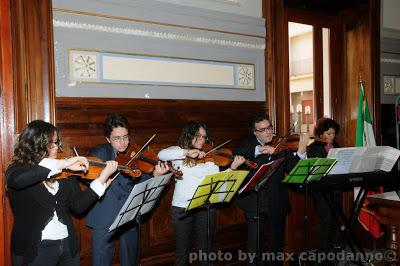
column 199, row 136
column 265, row 129
column 120, row 138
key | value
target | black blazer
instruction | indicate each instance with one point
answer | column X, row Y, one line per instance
column 274, row 196
column 316, row 149
column 33, row 207
column 106, row 209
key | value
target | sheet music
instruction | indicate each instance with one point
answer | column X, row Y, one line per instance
column 387, row 158
column 363, row 159
column 391, row 195
column 256, row 177
column 309, row 170
column 142, row 197
column 219, row 187
column 344, row 158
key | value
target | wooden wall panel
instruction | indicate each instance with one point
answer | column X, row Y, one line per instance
column 6, row 126
column 26, row 83
column 32, row 33
column 80, row 121
column 360, row 35
column 360, row 60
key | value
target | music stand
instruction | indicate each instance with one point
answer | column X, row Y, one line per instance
column 306, row 171
column 216, row 188
column 256, row 182
column 140, row 201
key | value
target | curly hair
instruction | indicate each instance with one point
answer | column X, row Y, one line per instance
column 33, row 142
column 114, row 120
column 189, row 133
column 324, row 124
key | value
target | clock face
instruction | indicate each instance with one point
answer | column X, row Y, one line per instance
column 84, row 66
column 245, row 76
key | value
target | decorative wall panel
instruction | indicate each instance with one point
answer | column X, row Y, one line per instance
column 114, row 68
column 149, row 49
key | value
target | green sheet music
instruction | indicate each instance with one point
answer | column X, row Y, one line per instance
column 312, row 169
column 223, row 186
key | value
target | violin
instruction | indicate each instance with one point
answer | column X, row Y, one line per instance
column 96, row 165
column 145, row 161
column 290, row 142
column 222, row 157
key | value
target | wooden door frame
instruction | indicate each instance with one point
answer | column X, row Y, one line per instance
column 27, row 89
column 318, row 22
column 6, row 125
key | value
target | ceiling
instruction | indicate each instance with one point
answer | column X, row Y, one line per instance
column 325, row 6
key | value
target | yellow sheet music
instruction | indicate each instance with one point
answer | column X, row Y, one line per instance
column 220, row 187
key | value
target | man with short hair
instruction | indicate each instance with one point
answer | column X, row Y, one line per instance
column 102, row 215
column 273, row 197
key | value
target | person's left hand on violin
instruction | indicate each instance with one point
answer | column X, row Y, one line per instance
column 160, row 169
column 237, row 161
column 111, row 167
column 303, row 142
column 194, row 153
column 76, row 163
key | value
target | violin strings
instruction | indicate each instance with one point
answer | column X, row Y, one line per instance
column 144, row 146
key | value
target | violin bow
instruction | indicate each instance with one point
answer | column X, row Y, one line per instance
column 219, row 146
column 143, row 147
column 76, row 154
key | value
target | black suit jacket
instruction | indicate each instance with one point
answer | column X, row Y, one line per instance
column 274, row 196
column 106, row 209
column 33, row 207
column 317, row 149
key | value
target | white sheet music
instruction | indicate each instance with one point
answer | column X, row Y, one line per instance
column 363, row 159
column 391, row 195
column 344, row 158
column 142, row 197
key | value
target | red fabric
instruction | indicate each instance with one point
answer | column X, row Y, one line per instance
column 369, row 218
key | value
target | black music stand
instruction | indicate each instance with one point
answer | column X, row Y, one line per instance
column 257, row 182
column 216, row 188
column 140, row 201
column 306, row 171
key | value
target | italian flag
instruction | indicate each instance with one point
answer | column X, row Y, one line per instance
column 365, row 137
column 364, row 133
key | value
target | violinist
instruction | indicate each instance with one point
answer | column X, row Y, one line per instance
column 325, row 133
column 101, row 216
column 273, row 197
column 43, row 232
column 187, row 157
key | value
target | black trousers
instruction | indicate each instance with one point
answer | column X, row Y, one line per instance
column 327, row 220
column 51, row 252
column 275, row 223
column 188, row 227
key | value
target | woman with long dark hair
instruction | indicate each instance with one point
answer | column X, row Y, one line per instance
column 43, row 232
column 193, row 225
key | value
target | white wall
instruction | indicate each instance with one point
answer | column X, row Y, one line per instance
column 86, row 32
column 390, row 10
column 252, row 8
